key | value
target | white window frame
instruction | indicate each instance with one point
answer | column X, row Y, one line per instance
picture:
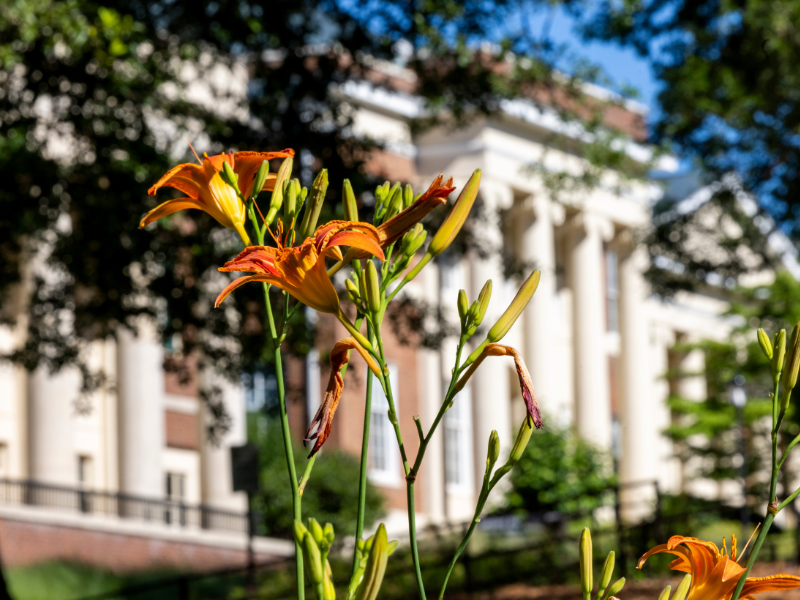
column 381, row 434
column 458, row 445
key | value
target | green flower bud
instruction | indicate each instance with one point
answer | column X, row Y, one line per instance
column 778, row 352
column 455, row 220
column 352, row 292
column 260, row 180
column 586, row 562
column 792, row 365
column 299, row 531
column 605, row 574
column 276, row 202
column 683, row 588
column 349, row 204
column 417, row 242
column 328, row 532
column 290, row 191
column 766, row 345
column 617, row 587
column 514, row 310
column 395, row 205
column 318, row 191
column 376, row 567
column 463, row 305
column 483, row 301
column 664, row 595
column 315, row 529
column 229, row 176
column 408, row 196
column 392, row 547
column 373, row 288
column 493, row 452
column 523, row 437
column 313, row 559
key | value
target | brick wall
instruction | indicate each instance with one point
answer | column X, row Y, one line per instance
column 25, row 543
column 182, row 430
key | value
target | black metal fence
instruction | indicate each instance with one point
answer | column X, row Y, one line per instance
column 168, row 512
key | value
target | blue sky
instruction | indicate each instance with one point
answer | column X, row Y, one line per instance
column 622, row 65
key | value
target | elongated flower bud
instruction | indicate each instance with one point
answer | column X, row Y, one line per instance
column 778, row 352
column 455, row 220
column 605, row 574
column 523, row 437
column 463, row 305
column 229, row 176
column 617, row 587
column 483, row 301
column 792, row 366
column 766, row 345
column 314, row 206
column 276, row 202
column 514, row 310
column 376, row 566
column 395, row 205
column 683, row 588
column 373, row 288
column 408, row 196
column 664, row 595
column 349, row 204
column 315, row 529
column 416, row 243
column 328, row 532
column 313, row 558
column 493, row 452
column 352, row 292
column 261, row 178
column 299, row 531
column 290, row 190
column 587, row 582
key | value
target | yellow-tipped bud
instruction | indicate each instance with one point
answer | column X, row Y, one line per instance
column 349, row 204
column 376, row 566
column 766, row 345
column 463, row 305
column 408, row 196
column 664, row 595
column 494, row 449
column 455, row 220
column 373, row 287
column 587, row 582
column 352, row 292
column 483, row 302
column 617, row 587
column 523, row 437
column 313, row 559
column 520, row 301
column 778, row 352
column 792, row 365
column 314, row 206
column 605, row 574
column 683, row 588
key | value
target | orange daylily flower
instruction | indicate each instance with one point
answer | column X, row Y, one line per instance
column 715, row 574
column 300, row 271
column 320, row 427
column 525, row 383
column 393, row 229
column 206, row 191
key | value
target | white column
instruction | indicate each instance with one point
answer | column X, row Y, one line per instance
column 538, row 247
column 638, row 460
column 140, row 391
column 217, row 483
column 593, row 405
column 491, row 393
column 51, row 407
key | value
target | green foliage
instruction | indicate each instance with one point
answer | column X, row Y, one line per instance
column 330, row 496
column 559, row 472
column 710, row 429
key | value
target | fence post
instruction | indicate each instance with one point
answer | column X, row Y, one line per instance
column 623, row 561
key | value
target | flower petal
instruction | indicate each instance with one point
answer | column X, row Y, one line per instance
column 436, row 195
column 756, row 585
column 237, row 283
column 254, row 259
column 169, row 207
column 246, row 165
column 188, row 178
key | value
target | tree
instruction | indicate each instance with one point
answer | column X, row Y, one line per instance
column 96, row 97
column 730, row 102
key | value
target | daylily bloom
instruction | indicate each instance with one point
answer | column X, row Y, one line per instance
column 393, row 229
column 320, row 427
column 206, row 191
column 300, row 271
column 714, row 573
column 525, row 383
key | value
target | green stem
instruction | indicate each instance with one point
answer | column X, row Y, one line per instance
column 485, row 489
column 306, row 474
column 287, row 443
column 412, row 532
column 753, row 553
column 362, row 481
